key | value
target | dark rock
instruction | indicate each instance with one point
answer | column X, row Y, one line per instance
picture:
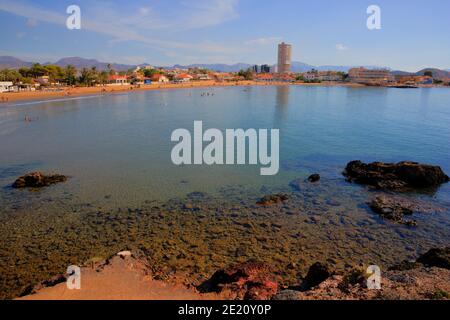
column 402, row 176
column 38, row 180
column 272, row 199
column 248, row 281
column 314, row 178
column 389, row 208
column 31, row 289
column 436, row 258
column 317, row 274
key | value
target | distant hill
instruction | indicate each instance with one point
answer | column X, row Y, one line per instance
column 219, row 67
column 437, row 73
column 81, row 63
column 297, row 66
column 8, row 62
column 401, row 73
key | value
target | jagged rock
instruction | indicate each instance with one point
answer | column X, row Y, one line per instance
column 317, row 273
column 249, row 281
column 314, row 178
column 272, row 199
column 38, row 180
column 436, row 258
column 402, row 176
column 392, row 210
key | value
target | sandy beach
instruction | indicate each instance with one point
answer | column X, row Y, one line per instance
column 83, row 91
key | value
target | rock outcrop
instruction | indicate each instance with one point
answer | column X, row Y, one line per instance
column 402, row 176
column 38, row 180
column 314, row 178
column 317, row 273
column 248, row 281
column 437, row 257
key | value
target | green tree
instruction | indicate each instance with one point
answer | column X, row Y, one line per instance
column 38, row 71
column 111, row 71
column 150, row 72
column 10, row 75
column 103, row 77
column 246, row 74
column 428, row 73
column 70, row 75
column 55, row 73
column 87, row 78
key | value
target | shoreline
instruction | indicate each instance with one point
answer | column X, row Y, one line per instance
column 86, row 91
column 128, row 276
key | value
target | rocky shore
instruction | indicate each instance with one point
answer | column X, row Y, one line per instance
column 128, row 275
column 308, row 240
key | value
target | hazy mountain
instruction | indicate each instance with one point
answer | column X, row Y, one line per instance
column 8, row 62
column 81, row 63
column 219, row 67
column 437, row 73
column 297, row 66
column 401, row 73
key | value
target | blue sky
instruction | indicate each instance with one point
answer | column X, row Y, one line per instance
column 414, row 34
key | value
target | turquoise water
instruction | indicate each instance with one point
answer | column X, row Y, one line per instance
column 124, row 192
column 119, row 145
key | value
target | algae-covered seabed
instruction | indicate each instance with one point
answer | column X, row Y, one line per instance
column 196, row 235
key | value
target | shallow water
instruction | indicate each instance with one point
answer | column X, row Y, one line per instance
column 124, row 190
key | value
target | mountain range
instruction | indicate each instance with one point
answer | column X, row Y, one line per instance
column 79, row 63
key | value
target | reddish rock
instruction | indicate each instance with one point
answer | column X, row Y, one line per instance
column 248, row 281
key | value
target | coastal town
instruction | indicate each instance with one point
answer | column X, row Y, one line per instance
column 56, row 78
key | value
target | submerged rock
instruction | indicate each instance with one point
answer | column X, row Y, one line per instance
column 249, row 281
column 314, row 178
column 272, row 199
column 402, row 176
column 436, row 258
column 392, row 210
column 38, row 180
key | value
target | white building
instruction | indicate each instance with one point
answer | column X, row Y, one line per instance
column 5, row 86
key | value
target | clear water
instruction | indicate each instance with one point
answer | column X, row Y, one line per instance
column 119, row 145
column 116, row 150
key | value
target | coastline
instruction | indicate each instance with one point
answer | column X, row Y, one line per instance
column 86, row 91
column 128, row 275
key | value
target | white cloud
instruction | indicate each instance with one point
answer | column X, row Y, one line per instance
column 109, row 22
column 341, row 47
column 264, row 41
column 138, row 24
column 206, row 13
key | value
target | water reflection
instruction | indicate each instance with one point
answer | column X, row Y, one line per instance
column 282, row 103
